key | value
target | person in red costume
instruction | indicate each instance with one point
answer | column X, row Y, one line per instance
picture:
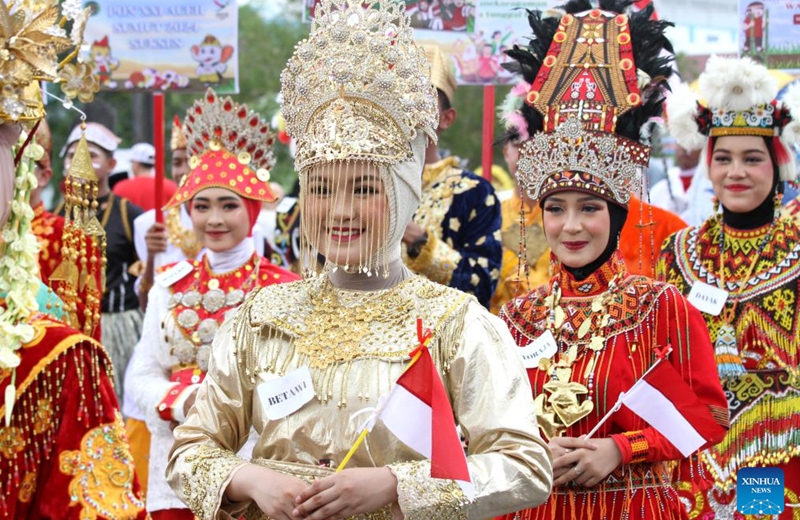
column 597, row 328
column 63, row 450
column 190, row 299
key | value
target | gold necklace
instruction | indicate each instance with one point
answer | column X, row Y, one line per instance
column 558, row 407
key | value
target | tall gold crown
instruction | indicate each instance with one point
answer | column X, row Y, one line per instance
column 214, row 123
column 31, row 38
column 358, row 87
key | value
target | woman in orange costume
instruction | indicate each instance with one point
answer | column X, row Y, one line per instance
column 594, row 329
column 747, row 255
column 190, row 299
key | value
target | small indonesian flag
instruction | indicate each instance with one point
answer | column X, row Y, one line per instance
column 668, row 404
column 417, row 411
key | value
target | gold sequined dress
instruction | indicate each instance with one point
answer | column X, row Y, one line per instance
column 356, row 344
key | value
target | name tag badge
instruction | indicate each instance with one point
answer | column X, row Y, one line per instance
column 285, row 395
column 707, row 298
column 544, row 346
column 174, row 274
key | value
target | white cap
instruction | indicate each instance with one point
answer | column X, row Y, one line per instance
column 144, row 153
column 96, row 134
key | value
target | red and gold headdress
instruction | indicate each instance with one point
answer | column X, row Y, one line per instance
column 588, row 100
column 178, row 139
column 229, row 147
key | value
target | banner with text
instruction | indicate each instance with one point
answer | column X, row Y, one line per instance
column 769, row 32
column 185, row 45
column 474, row 33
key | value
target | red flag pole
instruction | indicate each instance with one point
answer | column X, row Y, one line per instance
column 158, row 142
column 488, row 131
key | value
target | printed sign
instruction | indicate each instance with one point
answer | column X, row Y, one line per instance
column 543, row 347
column 474, row 33
column 185, row 45
column 769, row 32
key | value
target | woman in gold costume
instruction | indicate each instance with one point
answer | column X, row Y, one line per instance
column 358, row 100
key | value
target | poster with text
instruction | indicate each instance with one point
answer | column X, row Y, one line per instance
column 769, row 32
column 478, row 56
column 185, row 45
column 474, row 33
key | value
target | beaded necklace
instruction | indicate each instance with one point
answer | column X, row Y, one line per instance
column 726, row 349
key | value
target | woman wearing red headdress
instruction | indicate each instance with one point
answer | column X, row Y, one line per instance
column 190, row 299
column 594, row 330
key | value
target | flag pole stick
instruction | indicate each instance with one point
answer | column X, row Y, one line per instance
column 618, row 404
column 352, row 450
column 424, row 339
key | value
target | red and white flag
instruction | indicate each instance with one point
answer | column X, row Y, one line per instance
column 418, row 412
column 663, row 399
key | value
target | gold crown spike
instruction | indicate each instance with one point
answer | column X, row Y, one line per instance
column 358, row 87
column 81, row 165
column 215, row 122
column 604, row 164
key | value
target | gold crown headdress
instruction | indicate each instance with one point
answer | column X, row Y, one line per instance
column 358, row 87
column 229, row 146
column 215, row 123
column 740, row 98
column 177, row 140
column 588, row 100
column 31, row 38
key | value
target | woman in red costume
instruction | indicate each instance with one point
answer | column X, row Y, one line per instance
column 190, row 299
column 746, row 255
column 594, row 329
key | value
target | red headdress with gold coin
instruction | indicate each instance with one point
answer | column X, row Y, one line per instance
column 229, row 147
column 596, row 76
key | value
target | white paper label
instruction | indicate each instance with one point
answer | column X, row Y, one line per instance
column 544, row 346
column 707, row 298
column 174, row 274
column 285, row 395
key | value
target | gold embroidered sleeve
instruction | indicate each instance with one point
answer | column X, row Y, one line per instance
column 203, row 460
column 510, row 465
column 436, row 260
column 424, row 498
column 206, row 471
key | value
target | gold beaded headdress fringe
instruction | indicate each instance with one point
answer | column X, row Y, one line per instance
column 354, row 96
column 80, row 278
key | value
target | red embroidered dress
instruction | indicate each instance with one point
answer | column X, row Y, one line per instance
column 643, row 315
column 48, row 229
column 65, row 454
column 764, row 402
